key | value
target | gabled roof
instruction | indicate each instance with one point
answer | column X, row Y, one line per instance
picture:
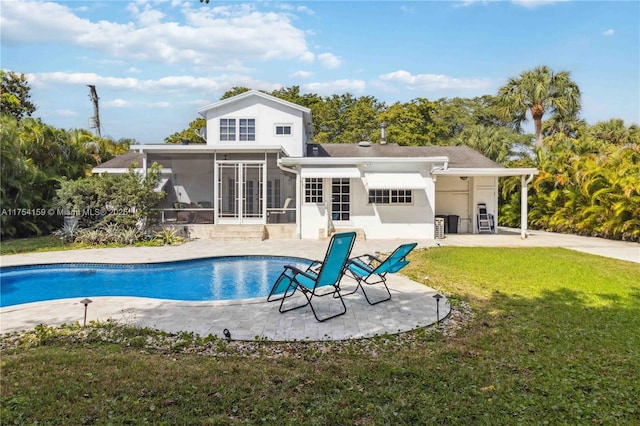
column 254, row 93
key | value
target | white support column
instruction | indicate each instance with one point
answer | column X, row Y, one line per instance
column 523, row 207
column 216, row 189
column 299, row 196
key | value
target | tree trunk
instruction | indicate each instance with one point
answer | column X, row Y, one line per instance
column 537, row 111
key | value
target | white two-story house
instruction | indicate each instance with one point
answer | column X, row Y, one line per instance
column 260, row 168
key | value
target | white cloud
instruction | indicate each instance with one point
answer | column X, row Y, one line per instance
column 608, row 32
column 529, row 4
column 170, row 84
column 328, row 60
column 465, row 3
column 338, row 86
column 209, row 36
column 117, row 103
column 532, row 4
column 428, row 82
column 133, row 70
column 302, row 74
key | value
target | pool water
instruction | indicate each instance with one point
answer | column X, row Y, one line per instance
column 216, row 278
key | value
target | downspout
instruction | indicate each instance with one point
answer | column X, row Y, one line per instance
column 523, row 205
column 298, row 196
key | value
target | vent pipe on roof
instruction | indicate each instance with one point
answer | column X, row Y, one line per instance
column 383, row 133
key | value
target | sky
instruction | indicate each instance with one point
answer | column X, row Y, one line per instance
column 155, row 62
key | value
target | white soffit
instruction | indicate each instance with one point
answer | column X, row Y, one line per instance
column 329, row 172
column 394, row 181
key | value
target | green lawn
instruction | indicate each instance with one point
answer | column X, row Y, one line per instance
column 33, row 244
column 554, row 340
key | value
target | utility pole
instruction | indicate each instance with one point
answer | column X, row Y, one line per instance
column 95, row 120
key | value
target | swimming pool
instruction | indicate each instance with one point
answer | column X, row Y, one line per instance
column 214, row 278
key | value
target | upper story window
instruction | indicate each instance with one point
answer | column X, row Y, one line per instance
column 227, row 129
column 244, row 128
column 247, row 129
column 283, row 129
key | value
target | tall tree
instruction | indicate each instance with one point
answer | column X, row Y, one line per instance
column 292, row 94
column 346, row 119
column 190, row 134
column 14, row 96
column 615, row 132
column 538, row 91
column 501, row 144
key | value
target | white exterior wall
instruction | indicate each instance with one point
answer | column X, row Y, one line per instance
column 267, row 115
column 314, row 220
column 377, row 221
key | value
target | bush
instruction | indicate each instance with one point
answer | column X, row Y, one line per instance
column 108, row 208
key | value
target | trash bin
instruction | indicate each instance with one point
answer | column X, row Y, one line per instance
column 452, row 220
column 444, row 220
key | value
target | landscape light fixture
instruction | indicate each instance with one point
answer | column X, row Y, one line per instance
column 227, row 334
column 85, row 302
column 438, row 296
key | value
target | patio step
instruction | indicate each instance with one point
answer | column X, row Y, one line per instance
column 238, row 233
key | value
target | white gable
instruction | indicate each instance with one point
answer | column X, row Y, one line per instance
column 256, row 119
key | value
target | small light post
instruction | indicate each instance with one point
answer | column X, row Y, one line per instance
column 438, row 296
column 227, row 334
column 85, row 302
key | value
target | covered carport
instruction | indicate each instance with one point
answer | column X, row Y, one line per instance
column 526, row 176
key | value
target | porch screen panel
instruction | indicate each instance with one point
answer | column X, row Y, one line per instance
column 252, row 188
column 227, row 196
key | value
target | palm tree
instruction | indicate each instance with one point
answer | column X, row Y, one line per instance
column 538, row 91
column 614, row 131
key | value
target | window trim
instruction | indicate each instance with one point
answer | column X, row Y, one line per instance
column 314, row 195
column 231, row 130
column 284, row 126
column 341, row 183
column 389, row 194
column 237, row 129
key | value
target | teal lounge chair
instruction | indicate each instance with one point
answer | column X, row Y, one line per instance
column 320, row 279
column 369, row 269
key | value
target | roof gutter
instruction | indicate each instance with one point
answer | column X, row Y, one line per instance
column 485, row 171
column 334, row 161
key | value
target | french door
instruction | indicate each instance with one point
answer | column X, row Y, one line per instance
column 240, row 192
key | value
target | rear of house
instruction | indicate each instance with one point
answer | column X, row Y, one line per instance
column 260, row 169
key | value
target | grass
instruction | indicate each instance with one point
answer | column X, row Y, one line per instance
column 33, row 244
column 55, row 243
column 554, row 340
